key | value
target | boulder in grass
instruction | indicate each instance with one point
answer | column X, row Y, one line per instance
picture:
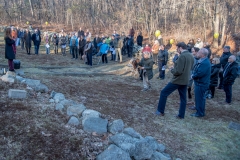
column 73, row 121
column 58, row 97
column 131, row 132
column 113, row 153
column 95, row 124
column 116, row 126
column 76, row 110
column 41, row 88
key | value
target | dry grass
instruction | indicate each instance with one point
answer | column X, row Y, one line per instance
column 115, row 96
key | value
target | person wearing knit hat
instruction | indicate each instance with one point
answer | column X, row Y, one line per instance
column 146, row 65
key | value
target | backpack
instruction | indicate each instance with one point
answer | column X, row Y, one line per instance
column 73, row 41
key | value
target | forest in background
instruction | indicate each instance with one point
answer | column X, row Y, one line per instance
column 177, row 19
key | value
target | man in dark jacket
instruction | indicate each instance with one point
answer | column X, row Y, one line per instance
column 55, row 42
column 139, row 39
column 162, row 61
column 201, row 76
column 36, row 38
column 96, row 41
column 181, row 76
column 81, row 44
column 223, row 61
column 80, row 32
column 27, row 41
column 130, row 45
column 230, row 73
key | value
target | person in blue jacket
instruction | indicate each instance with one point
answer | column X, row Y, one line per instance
column 36, row 38
column 73, row 46
column 103, row 51
column 201, row 76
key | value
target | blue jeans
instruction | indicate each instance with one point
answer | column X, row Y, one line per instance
column 200, row 99
column 47, row 50
column 228, row 91
column 36, row 49
column 161, row 72
column 170, row 87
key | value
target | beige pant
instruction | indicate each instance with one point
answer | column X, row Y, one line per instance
column 118, row 52
column 146, row 83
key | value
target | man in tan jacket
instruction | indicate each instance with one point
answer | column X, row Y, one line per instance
column 181, row 76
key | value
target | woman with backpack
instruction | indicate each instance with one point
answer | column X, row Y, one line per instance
column 10, row 48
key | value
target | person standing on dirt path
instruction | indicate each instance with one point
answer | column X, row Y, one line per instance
column 73, row 46
column 162, row 59
column 55, row 42
column 181, row 76
column 63, row 43
column 80, row 32
column 88, row 49
column 139, row 39
column 230, row 73
column 28, row 41
column 223, row 60
column 146, row 65
column 201, row 77
column 36, row 38
column 10, row 48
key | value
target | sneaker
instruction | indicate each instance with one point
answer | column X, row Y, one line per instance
column 144, row 89
column 157, row 113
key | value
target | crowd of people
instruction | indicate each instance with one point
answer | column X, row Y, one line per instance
column 81, row 44
column 193, row 67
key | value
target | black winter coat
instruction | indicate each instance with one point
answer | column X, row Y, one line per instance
column 82, row 43
column 224, row 58
column 36, row 38
column 96, row 41
column 148, row 66
column 9, row 53
column 231, row 73
column 27, row 39
column 139, row 40
column 55, row 41
column 209, row 51
column 214, row 74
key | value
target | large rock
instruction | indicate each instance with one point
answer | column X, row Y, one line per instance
column 161, row 148
column 76, row 110
column 113, row 153
column 19, row 78
column 144, row 148
column 17, row 94
column 6, row 78
column 159, row 156
column 58, row 97
column 53, row 93
column 41, row 88
column 31, row 82
column 11, row 74
column 131, row 132
column 95, row 124
column 67, row 103
column 59, row 107
column 90, row 113
column 125, row 142
column 73, row 121
column 116, row 126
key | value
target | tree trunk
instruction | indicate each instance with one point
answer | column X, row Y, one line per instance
column 216, row 23
column 30, row 2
